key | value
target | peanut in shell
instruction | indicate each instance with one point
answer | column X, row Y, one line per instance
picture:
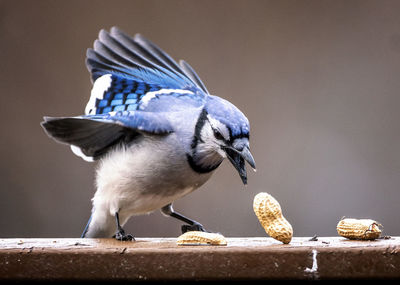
column 201, row 238
column 362, row 229
column 269, row 213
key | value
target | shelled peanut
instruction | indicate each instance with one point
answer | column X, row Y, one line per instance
column 269, row 213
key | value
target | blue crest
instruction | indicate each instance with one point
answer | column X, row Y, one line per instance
column 228, row 114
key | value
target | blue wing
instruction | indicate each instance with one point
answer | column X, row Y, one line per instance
column 113, row 93
column 135, row 85
column 140, row 60
column 128, row 70
column 147, row 122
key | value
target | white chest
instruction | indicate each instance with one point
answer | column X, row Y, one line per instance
column 145, row 177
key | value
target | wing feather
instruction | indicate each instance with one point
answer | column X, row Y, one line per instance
column 189, row 71
column 136, row 87
column 138, row 58
column 95, row 135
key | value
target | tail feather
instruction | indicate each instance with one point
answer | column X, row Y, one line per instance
column 85, row 230
column 100, row 225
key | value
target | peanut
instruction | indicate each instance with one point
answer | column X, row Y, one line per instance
column 364, row 229
column 201, row 238
column 269, row 213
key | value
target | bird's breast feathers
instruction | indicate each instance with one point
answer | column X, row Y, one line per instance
column 148, row 168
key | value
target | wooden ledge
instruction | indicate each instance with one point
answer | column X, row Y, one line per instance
column 161, row 259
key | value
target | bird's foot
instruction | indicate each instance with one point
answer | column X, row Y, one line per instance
column 122, row 236
column 194, row 227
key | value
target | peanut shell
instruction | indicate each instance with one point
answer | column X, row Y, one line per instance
column 269, row 213
column 364, row 229
column 201, row 238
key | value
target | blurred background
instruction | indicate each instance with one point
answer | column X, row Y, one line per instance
column 318, row 80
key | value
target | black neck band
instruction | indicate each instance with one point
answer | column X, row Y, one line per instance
column 196, row 140
column 200, row 168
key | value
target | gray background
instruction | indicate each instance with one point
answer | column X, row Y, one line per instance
column 318, row 80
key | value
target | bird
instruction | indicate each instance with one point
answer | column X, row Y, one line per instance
column 154, row 130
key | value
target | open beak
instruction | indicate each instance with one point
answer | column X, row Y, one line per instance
column 238, row 158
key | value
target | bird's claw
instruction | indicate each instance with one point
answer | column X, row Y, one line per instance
column 122, row 236
column 194, row 227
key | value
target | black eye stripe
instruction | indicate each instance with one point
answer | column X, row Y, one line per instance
column 199, row 126
column 218, row 135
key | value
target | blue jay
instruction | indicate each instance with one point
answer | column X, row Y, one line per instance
column 154, row 128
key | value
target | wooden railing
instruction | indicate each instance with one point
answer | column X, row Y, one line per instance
column 161, row 259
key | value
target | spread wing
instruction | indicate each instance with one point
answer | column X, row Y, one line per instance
column 135, row 85
column 132, row 73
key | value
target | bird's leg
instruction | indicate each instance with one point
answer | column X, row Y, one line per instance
column 192, row 225
column 120, row 234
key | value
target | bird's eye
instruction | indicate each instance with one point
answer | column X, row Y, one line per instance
column 218, row 135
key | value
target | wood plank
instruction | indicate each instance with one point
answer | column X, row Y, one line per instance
column 161, row 259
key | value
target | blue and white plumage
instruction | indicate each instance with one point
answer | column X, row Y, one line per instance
column 156, row 131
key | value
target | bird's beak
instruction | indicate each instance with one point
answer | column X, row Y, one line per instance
column 238, row 158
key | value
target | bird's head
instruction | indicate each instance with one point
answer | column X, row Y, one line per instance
column 222, row 130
